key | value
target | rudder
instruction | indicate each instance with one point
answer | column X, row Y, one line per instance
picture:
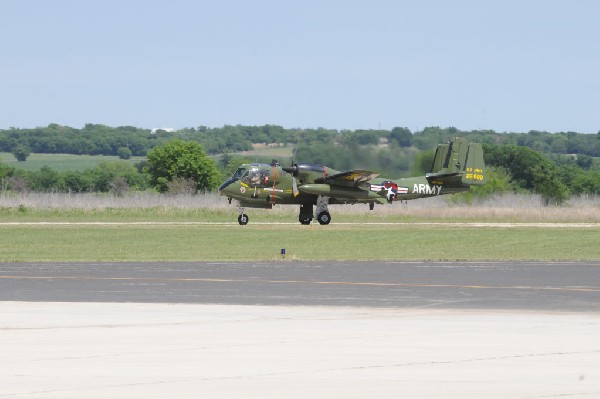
column 459, row 160
column 450, row 157
column 474, row 166
column 439, row 158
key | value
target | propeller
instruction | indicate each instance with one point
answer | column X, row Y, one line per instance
column 293, row 170
column 274, row 182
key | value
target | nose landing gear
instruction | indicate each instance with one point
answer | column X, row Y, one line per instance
column 243, row 219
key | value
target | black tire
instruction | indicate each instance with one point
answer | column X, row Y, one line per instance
column 243, row 219
column 324, row 218
column 305, row 220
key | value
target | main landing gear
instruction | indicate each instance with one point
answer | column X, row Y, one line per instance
column 324, row 217
column 322, row 214
column 306, row 214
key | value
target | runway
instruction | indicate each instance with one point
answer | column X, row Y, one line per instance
column 300, row 329
column 537, row 286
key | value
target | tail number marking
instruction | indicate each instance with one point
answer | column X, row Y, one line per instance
column 474, row 174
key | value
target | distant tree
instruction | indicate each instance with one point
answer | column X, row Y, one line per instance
column 21, row 152
column 94, row 139
column 365, row 137
column 430, row 137
column 587, row 183
column 181, row 159
column 498, row 182
column 402, row 136
column 124, row 153
column 46, row 179
column 422, row 163
column 529, row 170
column 78, row 182
column 5, row 173
column 116, row 177
column 584, row 161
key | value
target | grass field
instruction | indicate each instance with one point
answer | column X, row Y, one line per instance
column 399, row 242
column 61, row 227
column 60, row 162
column 63, row 162
column 274, row 151
column 145, row 206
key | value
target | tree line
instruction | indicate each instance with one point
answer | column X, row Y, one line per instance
column 175, row 163
column 124, row 141
column 183, row 167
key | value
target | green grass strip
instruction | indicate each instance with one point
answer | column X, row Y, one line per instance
column 400, row 242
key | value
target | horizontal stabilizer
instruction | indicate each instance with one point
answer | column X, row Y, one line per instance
column 432, row 176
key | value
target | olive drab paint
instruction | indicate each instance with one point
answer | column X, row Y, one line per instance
column 457, row 165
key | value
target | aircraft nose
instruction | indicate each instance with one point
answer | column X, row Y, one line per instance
column 225, row 184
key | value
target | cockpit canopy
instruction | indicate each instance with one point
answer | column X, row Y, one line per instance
column 255, row 175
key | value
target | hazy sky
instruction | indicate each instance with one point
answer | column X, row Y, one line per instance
column 504, row 65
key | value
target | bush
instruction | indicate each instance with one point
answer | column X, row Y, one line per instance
column 124, row 153
column 179, row 159
column 21, row 153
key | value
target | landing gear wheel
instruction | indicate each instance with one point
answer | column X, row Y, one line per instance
column 305, row 220
column 324, row 217
column 306, row 214
column 243, row 219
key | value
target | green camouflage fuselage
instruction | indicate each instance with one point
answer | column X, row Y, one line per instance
column 456, row 166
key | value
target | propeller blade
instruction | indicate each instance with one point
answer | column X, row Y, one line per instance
column 274, row 183
column 294, row 187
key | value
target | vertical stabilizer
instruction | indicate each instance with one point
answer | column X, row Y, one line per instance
column 459, row 162
column 440, row 157
column 475, row 167
column 450, row 157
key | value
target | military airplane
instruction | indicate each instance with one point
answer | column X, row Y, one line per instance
column 457, row 165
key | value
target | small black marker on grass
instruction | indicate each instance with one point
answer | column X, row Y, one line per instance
column 283, row 252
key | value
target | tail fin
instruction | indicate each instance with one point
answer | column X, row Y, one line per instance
column 459, row 160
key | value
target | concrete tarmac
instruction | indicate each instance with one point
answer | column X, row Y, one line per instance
column 133, row 350
column 297, row 330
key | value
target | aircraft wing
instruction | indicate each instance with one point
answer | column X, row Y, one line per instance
column 348, row 178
